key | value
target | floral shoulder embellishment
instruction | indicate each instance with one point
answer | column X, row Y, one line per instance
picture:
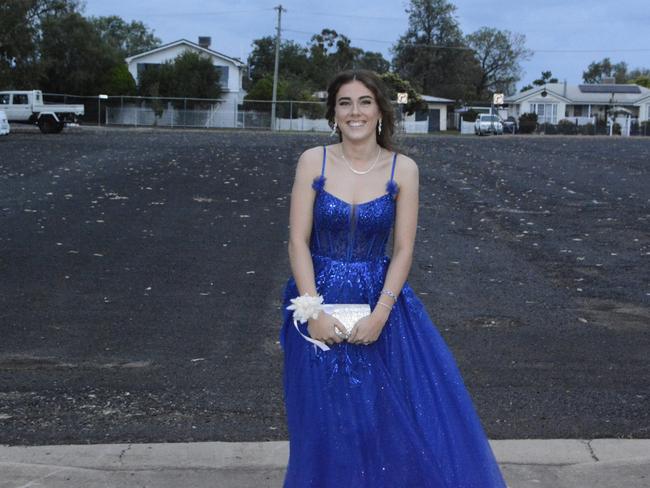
column 392, row 188
column 319, row 183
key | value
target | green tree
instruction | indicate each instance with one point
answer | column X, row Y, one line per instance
column 73, row 57
column 20, row 24
column 598, row 70
column 119, row 81
column 499, row 54
column 432, row 53
column 546, row 77
column 189, row 75
column 126, row 38
column 373, row 61
column 396, row 85
column 261, row 62
column 642, row 81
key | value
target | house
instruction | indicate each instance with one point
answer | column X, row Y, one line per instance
column 580, row 103
column 431, row 119
column 230, row 69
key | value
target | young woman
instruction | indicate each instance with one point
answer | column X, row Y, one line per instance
column 382, row 405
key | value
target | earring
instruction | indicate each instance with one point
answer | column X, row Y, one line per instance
column 379, row 127
column 334, row 127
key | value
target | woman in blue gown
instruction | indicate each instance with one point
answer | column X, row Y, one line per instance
column 384, row 407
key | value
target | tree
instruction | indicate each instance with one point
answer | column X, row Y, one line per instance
column 20, row 23
column 432, row 53
column 499, row 54
column 189, row 75
column 598, row 70
column 373, row 61
column 396, row 85
column 261, row 61
column 547, row 77
column 126, row 38
column 73, row 57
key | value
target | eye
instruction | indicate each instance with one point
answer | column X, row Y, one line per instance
column 344, row 102
column 366, row 102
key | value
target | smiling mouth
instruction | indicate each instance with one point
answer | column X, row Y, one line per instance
column 356, row 123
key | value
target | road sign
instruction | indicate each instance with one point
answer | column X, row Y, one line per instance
column 402, row 98
column 497, row 99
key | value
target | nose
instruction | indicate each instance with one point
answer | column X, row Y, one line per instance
column 355, row 108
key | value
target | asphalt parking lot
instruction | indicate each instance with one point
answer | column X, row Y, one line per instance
column 142, row 272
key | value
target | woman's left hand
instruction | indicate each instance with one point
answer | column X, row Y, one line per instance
column 368, row 328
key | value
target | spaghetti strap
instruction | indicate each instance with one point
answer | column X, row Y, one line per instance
column 392, row 172
column 322, row 171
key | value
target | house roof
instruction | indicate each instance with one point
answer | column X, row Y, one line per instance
column 587, row 94
column 430, row 99
column 193, row 45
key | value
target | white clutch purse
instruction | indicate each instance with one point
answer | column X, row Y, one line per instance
column 348, row 313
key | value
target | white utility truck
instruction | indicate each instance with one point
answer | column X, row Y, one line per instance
column 27, row 107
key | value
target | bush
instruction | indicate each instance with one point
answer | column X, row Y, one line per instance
column 470, row 116
column 566, row 127
column 527, row 123
column 644, row 128
column 547, row 128
column 616, row 130
column 588, row 129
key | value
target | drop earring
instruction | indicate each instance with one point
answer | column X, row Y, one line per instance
column 334, row 127
column 379, row 127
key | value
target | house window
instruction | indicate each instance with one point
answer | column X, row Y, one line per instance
column 142, row 67
column 546, row 112
column 223, row 75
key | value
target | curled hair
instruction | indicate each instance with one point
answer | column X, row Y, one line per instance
column 373, row 83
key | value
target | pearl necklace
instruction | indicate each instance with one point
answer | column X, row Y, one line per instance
column 355, row 171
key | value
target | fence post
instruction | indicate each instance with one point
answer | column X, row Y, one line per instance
column 291, row 115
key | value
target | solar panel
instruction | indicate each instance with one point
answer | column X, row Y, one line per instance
column 609, row 89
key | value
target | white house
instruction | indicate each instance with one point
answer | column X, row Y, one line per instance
column 432, row 119
column 580, row 103
column 230, row 69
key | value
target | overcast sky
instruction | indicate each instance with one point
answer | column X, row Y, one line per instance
column 566, row 35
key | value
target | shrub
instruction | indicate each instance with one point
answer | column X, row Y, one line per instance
column 547, row 128
column 566, row 127
column 616, row 130
column 527, row 123
column 644, row 128
column 588, row 129
column 470, row 116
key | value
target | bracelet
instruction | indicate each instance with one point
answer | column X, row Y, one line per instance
column 390, row 294
column 384, row 305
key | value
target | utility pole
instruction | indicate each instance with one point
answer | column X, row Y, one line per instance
column 277, row 63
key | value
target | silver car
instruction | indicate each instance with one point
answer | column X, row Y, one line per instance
column 488, row 124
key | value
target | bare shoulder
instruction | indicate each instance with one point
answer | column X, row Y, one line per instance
column 310, row 161
column 406, row 168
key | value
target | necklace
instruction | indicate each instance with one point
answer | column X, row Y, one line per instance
column 355, row 171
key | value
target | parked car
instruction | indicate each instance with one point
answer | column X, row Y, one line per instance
column 4, row 123
column 510, row 125
column 27, row 107
column 488, row 124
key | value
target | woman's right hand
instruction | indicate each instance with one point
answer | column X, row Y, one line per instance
column 323, row 329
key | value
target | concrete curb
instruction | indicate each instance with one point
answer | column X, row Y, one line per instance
column 556, row 463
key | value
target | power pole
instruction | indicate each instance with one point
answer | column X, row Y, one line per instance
column 277, row 63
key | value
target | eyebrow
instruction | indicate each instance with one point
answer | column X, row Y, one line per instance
column 360, row 98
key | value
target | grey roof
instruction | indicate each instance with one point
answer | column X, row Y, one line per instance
column 235, row 61
column 430, row 99
column 575, row 95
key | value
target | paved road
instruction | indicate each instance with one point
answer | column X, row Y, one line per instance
column 142, row 272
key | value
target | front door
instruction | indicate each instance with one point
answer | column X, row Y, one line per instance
column 434, row 120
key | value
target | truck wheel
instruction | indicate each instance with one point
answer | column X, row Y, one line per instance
column 48, row 125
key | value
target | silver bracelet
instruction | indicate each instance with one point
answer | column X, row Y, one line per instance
column 390, row 294
column 384, row 305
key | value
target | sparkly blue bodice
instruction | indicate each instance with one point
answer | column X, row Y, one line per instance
column 351, row 232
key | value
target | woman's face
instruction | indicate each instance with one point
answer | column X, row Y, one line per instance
column 356, row 111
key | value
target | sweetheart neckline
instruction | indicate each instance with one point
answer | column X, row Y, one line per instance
column 355, row 204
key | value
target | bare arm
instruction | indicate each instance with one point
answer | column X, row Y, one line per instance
column 406, row 222
column 300, row 223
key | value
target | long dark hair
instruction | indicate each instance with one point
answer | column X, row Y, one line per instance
column 373, row 83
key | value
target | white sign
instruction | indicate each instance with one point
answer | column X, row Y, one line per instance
column 402, row 98
column 498, row 98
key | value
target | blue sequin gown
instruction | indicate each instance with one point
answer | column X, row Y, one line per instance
column 393, row 414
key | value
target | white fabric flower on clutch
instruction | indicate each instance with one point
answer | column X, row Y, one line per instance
column 306, row 307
